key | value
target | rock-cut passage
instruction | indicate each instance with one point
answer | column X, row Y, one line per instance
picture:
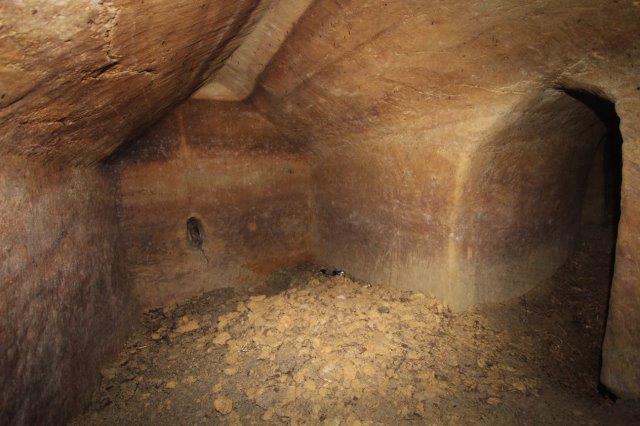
column 462, row 162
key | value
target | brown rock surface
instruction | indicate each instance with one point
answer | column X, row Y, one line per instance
column 236, row 80
column 79, row 77
column 322, row 352
column 63, row 309
column 430, row 146
column 246, row 182
column 417, row 114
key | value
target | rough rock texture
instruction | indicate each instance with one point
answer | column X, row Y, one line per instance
column 236, row 80
column 77, row 77
column 520, row 209
column 428, row 141
column 227, row 166
column 63, row 310
column 403, row 104
column 621, row 354
column 312, row 349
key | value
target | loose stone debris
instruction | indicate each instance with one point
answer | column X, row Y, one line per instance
column 331, row 350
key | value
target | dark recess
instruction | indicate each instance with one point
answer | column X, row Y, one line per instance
column 605, row 110
column 195, row 232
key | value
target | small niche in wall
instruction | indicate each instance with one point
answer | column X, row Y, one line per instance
column 195, row 232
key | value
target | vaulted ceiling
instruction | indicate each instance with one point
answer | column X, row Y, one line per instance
column 79, row 77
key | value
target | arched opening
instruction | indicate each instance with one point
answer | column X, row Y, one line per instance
column 601, row 213
column 542, row 228
column 602, row 198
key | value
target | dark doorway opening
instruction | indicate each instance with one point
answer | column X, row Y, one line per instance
column 606, row 174
column 609, row 154
column 601, row 210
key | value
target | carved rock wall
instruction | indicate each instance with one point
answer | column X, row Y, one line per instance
column 228, row 167
column 429, row 122
column 79, row 77
column 63, row 309
column 421, row 144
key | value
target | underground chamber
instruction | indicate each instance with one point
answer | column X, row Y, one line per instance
column 267, row 212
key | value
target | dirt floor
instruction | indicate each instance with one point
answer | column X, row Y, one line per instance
column 310, row 348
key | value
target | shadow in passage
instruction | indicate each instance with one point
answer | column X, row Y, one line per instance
column 555, row 332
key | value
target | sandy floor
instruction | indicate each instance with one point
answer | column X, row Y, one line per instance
column 308, row 348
